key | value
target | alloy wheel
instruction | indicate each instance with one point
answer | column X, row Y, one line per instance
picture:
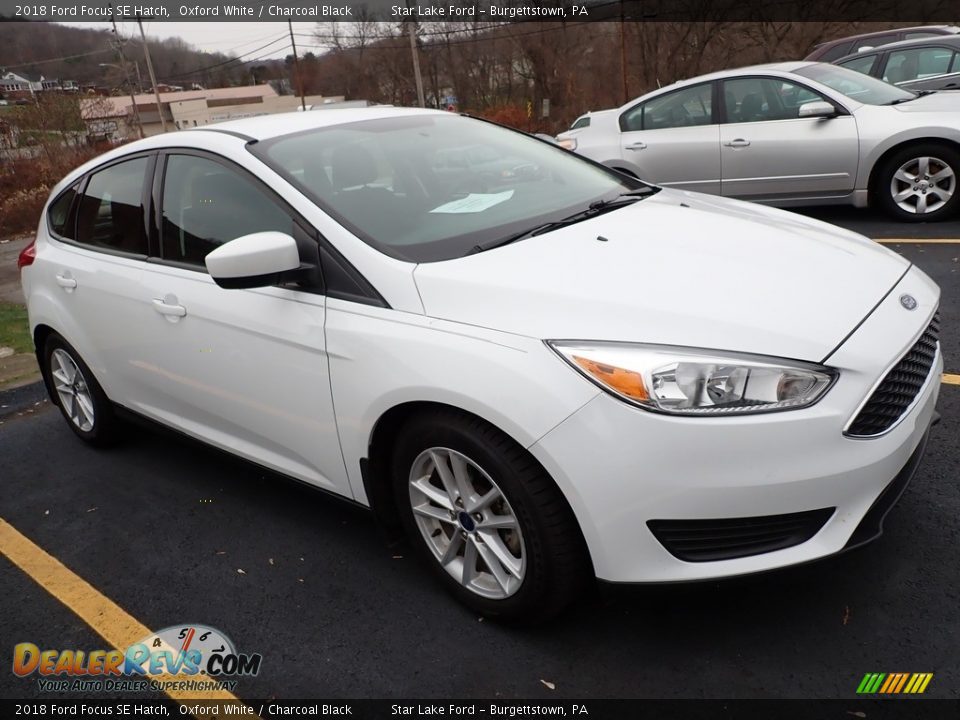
column 467, row 523
column 72, row 389
column 923, row 185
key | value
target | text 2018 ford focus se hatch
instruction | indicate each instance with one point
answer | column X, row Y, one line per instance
column 544, row 371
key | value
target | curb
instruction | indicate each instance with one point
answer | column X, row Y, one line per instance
column 21, row 399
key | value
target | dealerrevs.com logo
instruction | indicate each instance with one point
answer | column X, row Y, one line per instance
column 180, row 657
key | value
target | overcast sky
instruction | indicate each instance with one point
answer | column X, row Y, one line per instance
column 226, row 37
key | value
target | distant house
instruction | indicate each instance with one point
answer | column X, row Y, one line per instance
column 15, row 87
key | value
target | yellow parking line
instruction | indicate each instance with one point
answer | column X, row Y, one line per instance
column 918, row 241
column 114, row 624
column 950, row 379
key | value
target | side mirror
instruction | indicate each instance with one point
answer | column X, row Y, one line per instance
column 818, row 108
column 255, row 260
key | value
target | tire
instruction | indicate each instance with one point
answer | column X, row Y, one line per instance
column 506, row 487
column 92, row 418
column 921, row 163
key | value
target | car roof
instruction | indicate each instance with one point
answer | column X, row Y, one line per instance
column 938, row 40
column 264, row 127
column 784, row 67
column 948, row 30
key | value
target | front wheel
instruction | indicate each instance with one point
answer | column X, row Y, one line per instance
column 919, row 183
column 487, row 518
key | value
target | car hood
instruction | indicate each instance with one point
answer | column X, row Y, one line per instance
column 677, row 268
column 941, row 101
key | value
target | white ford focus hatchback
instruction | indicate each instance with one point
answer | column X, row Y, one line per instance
column 543, row 371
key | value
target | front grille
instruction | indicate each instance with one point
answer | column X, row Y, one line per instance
column 729, row 538
column 896, row 393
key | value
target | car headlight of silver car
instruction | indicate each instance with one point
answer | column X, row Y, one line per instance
column 690, row 381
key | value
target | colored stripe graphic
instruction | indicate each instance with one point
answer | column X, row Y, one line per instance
column 894, row 683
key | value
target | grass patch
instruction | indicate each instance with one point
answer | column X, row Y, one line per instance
column 14, row 328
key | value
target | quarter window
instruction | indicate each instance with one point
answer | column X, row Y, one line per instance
column 111, row 210
column 59, row 217
column 762, row 99
column 688, row 107
column 206, row 204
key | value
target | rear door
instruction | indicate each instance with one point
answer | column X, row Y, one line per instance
column 245, row 370
column 769, row 153
column 673, row 139
column 100, row 229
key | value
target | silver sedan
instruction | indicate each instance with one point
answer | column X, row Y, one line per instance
column 788, row 134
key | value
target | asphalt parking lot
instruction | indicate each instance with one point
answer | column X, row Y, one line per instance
column 175, row 533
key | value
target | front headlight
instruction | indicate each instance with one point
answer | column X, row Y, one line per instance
column 688, row 381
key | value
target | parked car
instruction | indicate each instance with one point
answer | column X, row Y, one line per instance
column 834, row 49
column 577, row 375
column 789, row 134
column 928, row 64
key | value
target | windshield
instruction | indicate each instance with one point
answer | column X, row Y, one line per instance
column 425, row 187
column 854, row 85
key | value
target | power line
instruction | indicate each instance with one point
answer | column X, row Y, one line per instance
column 58, row 59
column 230, row 61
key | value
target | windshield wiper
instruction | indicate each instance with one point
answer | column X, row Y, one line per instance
column 595, row 208
column 919, row 94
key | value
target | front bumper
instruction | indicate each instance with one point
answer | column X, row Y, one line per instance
column 621, row 467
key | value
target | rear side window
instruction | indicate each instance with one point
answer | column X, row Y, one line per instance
column 206, row 204
column 60, row 216
column 111, row 209
column 581, row 122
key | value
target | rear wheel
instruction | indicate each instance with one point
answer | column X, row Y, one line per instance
column 77, row 393
column 919, row 183
column 487, row 518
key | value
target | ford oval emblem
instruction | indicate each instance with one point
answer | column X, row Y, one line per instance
column 908, row 301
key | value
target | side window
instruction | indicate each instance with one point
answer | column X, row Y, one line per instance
column 906, row 65
column 763, row 99
column 918, row 34
column 688, row 107
column 111, row 209
column 862, row 64
column 206, row 204
column 60, row 218
column 581, row 122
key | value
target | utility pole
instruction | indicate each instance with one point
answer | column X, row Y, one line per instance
column 296, row 68
column 126, row 75
column 623, row 54
column 153, row 78
column 411, row 28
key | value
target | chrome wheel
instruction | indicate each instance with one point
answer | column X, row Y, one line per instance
column 923, row 185
column 72, row 389
column 467, row 523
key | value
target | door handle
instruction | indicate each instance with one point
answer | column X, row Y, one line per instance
column 739, row 142
column 639, row 145
column 170, row 309
column 66, row 282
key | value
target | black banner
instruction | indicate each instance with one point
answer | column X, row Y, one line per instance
column 493, row 11
column 901, row 708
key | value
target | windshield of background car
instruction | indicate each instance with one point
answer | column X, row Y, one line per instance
column 430, row 187
column 854, row 85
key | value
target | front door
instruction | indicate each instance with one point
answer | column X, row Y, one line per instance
column 769, row 153
column 245, row 370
